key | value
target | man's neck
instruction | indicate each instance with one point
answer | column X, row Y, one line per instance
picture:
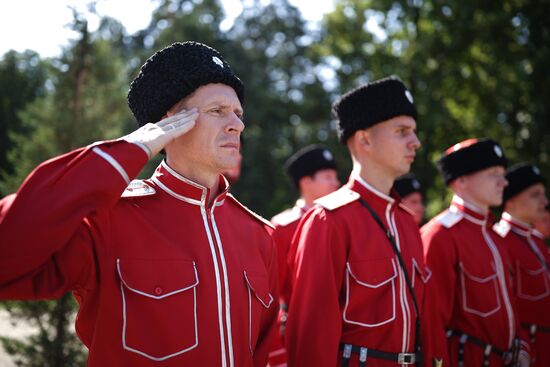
column 374, row 176
column 203, row 177
column 470, row 200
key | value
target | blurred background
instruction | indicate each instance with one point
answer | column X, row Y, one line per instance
column 475, row 69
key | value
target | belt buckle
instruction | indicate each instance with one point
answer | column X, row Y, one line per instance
column 406, row 358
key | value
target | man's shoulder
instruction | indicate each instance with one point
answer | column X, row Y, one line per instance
column 502, row 228
column 337, row 199
column 258, row 218
column 287, row 216
column 138, row 188
column 448, row 218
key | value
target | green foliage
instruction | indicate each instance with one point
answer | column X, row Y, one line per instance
column 54, row 345
column 475, row 70
column 22, row 77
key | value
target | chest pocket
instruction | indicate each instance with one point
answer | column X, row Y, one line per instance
column 159, row 307
column 480, row 290
column 259, row 299
column 370, row 283
column 532, row 281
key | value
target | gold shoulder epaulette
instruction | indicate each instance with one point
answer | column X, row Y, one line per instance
column 338, row 198
column 250, row 212
column 138, row 188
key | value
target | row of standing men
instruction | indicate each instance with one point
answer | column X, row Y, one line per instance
column 485, row 296
column 175, row 271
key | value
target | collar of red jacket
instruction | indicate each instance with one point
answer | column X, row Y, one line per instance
column 470, row 211
column 379, row 201
column 186, row 190
column 518, row 226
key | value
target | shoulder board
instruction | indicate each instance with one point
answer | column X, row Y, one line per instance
column 138, row 188
column 338, row 198
column 449, row 218
column 406, row 208
column 502, row 228
column 250, row 212
column 288, row 216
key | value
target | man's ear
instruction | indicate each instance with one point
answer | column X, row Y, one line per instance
column 362, row 139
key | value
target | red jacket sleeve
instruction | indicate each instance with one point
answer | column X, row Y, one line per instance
column 314, row 323
column 48, row 228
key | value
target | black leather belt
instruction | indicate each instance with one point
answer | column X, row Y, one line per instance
column 364, row 353
column 534, row 329
column 464, row 338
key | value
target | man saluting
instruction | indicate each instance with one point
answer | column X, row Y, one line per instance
column 169, row 271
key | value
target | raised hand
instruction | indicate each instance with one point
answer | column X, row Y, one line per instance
column 155, row 136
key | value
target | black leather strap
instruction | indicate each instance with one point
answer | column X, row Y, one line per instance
column 417, row 341
column 365, row 353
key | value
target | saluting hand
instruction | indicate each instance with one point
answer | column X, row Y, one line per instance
column 155, row 136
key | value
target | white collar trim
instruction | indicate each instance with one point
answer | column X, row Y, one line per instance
column 369, row 187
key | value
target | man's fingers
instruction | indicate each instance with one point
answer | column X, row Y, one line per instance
column 186, row 123
column 182, row 115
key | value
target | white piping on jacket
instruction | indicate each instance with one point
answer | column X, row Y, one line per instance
column 226, row 284
column 392, row 279
column 126, row 346
column 113, row 162
column 502, row 282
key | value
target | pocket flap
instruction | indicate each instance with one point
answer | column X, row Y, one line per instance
column 531, row 270
column 258, row 284
column 425, row 274
column 373, row 273
column 481, row 274
column 157, row 278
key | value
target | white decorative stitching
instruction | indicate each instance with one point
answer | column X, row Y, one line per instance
column 392, row 279
column 532, row 273
column 113, row 163
column 172, row 193
column 226, row 283
column 479, row 280
column 163, row 358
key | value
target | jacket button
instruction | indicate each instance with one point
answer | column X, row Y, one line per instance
column 158, row 291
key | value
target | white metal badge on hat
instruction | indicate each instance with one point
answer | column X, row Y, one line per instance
column 497, row 150
column 416, row 184
column 217, row 61
column 536, row 170
column 327, row 155
column 409, row 95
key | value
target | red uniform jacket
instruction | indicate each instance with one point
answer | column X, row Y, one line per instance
column 530, row 261
column 470, row 288
column 348, row 286
column 285, row 224
column 161, row 279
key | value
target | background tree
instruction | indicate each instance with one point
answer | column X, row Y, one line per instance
column 475, row 70
column 85, row 103
column 23, row 76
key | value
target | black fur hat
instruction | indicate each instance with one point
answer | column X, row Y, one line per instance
column 174, row 73
column 307, row 161
column 470, row 156
column 406, row 185
column 372, row 103
column 520, row 177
